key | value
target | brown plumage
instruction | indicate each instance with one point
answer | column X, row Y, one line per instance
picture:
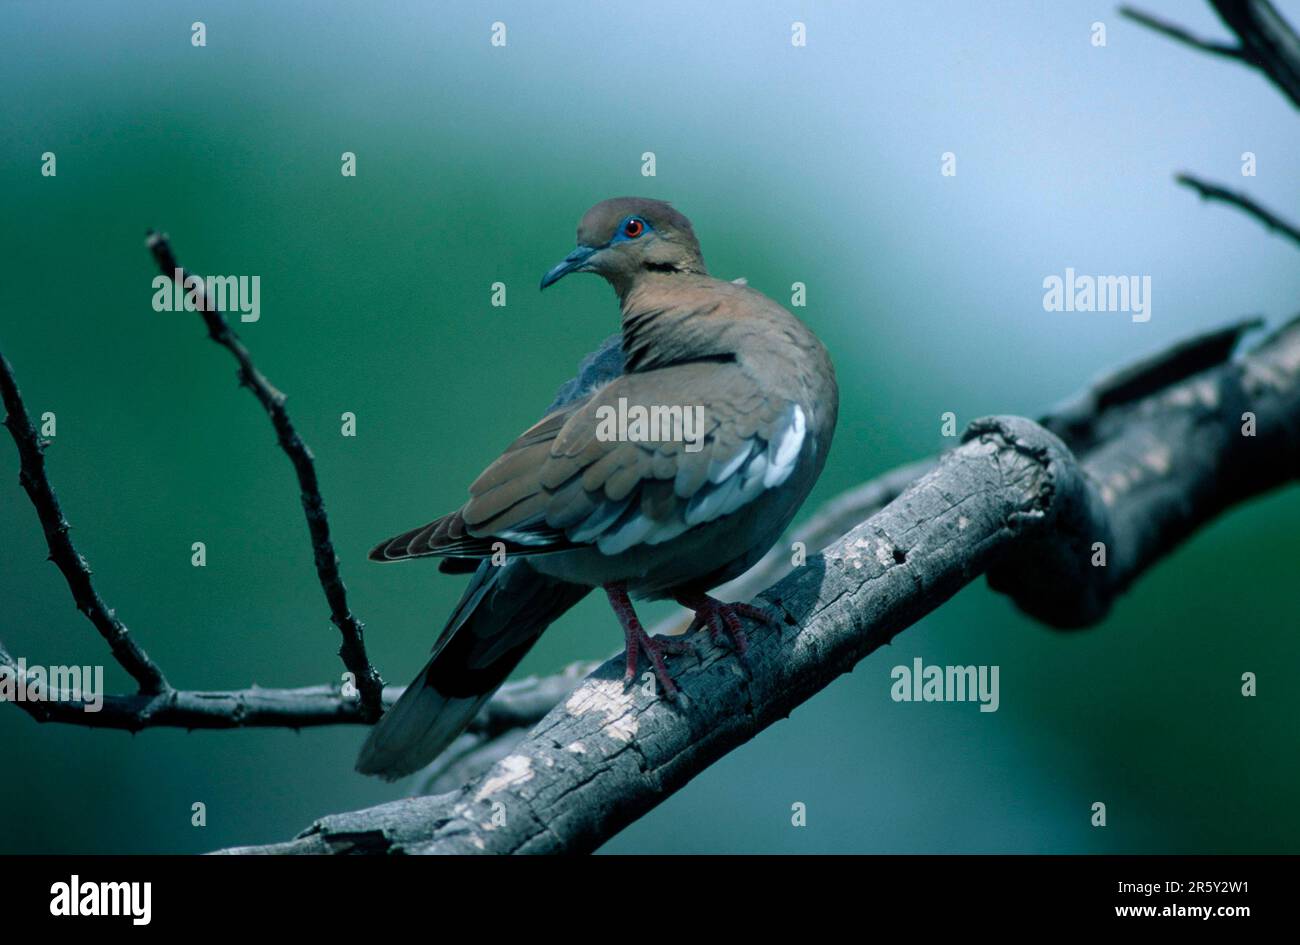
column 578, row 502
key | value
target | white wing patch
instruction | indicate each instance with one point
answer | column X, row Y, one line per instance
column 757, row 466
column 784, row 453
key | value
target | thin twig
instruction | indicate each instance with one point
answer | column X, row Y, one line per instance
column 353, row 651
column 254, row 707
column 514, row 707
column 31, row 455
column 1271, row 220
column 1177, row 33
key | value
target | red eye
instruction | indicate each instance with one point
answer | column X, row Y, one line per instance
column 633, row 228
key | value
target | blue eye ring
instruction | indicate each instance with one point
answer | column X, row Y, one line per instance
column 632, row 228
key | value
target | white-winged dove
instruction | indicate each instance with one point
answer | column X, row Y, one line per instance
column 581, row 501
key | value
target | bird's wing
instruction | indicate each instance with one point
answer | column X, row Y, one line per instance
column 567, row 483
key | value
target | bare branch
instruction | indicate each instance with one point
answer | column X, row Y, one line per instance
column 1266, row 41
column 353, row 651
column 1209, row 191
column 245, row 708
column 514, row 707
column 1076, row 421
column 31, row 456
column 472, row 754
column 826, row 524
column 1012, row 501
column 1178, row 34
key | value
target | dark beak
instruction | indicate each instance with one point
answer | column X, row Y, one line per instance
column 572, row 263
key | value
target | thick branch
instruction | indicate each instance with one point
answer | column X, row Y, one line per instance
column 512, row 710
column 1076, row 421
column 1013, row 500
column 31, row 457
column 353, row 651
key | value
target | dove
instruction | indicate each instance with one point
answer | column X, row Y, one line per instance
column 742, row 403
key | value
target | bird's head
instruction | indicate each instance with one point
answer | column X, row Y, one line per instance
column 624, row 237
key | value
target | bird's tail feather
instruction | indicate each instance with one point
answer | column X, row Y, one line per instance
column 502, row 613
column 416, row 729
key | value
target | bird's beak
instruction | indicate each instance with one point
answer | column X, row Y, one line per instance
column 572, row 263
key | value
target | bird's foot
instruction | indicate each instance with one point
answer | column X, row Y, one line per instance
column 639, row 642
column 723, row 620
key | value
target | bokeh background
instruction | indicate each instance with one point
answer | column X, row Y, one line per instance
column 816, row 164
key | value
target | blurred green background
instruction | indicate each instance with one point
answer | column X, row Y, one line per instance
column 818, row 165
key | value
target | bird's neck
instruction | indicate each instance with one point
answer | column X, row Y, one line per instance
column 653, row 277
column 673, row 317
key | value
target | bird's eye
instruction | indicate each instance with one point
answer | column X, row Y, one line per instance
column 633, row 228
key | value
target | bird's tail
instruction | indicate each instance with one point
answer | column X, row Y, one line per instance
column 502, row 613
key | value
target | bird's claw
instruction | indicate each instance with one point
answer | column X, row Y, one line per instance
column 655, row 649
column 637, row 641
column 723, row 620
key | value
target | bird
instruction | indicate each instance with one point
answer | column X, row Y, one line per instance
column 585, row 500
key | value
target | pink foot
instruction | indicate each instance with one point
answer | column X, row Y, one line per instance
column 637, row 641
column 723, row 620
